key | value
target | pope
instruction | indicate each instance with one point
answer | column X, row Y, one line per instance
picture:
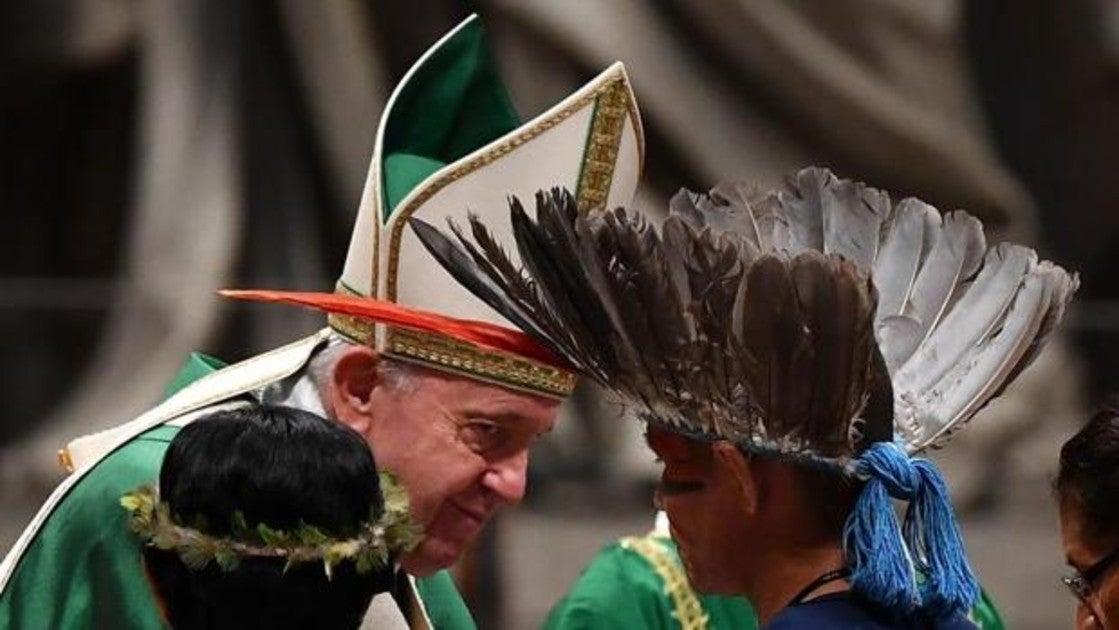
column 447, row 394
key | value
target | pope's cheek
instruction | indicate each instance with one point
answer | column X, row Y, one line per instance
column 453, row 526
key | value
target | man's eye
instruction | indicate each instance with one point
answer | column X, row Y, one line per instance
column 482, row 436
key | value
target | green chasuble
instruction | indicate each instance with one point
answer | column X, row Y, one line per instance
column 83, row 569
column 640, row 583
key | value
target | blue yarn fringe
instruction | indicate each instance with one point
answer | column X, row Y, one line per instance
column 880, row 566
column 886, row 559
column 950, row 587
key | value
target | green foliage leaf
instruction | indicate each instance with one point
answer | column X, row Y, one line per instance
column 239, row 526
column 310, row 535
column 165, row 539
column 226, row 557
column 196, row 553
column 131, row 502
column 273, row 537
column 378, row 540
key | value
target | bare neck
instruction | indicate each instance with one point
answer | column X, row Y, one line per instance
column 780, row 575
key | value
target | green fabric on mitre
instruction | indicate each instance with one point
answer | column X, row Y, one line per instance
column 621, row 589
column 452, row 104
column 83, row 569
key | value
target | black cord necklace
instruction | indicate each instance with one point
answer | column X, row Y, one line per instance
column 831, row 576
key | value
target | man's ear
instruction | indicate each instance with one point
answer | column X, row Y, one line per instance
column 353, row 379
column 732, row 463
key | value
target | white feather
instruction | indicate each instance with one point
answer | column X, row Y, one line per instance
column 900, row 255
column 955, row 255
column 964, row 389
column 852, row 220
column 977, row 312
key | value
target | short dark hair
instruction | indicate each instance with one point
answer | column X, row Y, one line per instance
column 279, row 466
column 1089, row 470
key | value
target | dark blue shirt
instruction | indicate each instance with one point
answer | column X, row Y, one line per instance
column 844, row 611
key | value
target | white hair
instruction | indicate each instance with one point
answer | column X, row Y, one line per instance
column 401, row 375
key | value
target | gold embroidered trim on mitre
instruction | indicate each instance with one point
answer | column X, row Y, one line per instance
column 451, row 354
column 360, row 330
column 688, row 609
column 502, row 368
column 601, row 154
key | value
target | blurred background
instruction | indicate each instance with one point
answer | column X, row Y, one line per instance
column 152, row 151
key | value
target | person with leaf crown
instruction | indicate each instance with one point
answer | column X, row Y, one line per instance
column 448, row 395
column 791, row 353
column 305, row 541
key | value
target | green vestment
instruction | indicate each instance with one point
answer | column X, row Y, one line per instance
column 640, row 584
column 83, row 569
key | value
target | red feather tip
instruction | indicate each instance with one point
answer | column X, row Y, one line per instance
column 478, row 333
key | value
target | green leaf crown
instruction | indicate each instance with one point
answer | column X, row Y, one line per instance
column 377, row 541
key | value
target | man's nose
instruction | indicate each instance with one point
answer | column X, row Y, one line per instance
column 507, row 478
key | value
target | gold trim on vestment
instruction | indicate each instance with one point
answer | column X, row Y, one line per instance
column 688, row 609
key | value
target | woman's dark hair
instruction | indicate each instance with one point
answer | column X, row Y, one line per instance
column 1089, row 472
column 278, row 466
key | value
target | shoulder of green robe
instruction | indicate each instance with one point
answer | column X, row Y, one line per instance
column 639, row 582
column 616, row 590
column 114, row 457
column 443, row 602
column 83, row 566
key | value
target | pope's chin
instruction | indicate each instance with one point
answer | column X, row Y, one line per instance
column 445, row 539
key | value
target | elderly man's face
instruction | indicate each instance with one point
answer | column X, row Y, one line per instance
column 705, row 510
column 460, row 448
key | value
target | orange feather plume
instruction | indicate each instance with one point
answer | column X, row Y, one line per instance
column 483, row 334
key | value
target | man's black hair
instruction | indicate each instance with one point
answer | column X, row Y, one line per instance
column 279, row 466
column 1089, row 471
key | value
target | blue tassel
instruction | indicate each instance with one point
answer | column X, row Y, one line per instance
column 950, row 586
column 881, row 568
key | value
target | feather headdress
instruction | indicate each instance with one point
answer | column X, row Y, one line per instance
column 821, row 322
column 755, row 317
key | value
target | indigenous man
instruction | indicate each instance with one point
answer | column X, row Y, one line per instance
column 449, row 406
column 790, row 352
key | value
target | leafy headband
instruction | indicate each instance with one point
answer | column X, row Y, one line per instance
column 378, row 539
